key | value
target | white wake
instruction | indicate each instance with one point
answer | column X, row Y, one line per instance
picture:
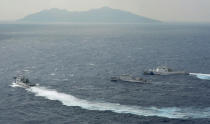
column 201, row 76
column 168, row 112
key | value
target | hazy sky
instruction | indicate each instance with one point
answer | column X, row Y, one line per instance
column 165, row 10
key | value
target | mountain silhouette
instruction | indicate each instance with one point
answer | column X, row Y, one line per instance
column 100, row 15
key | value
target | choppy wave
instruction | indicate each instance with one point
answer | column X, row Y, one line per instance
column 168, row 112
column 201, row 76
column 52, row 74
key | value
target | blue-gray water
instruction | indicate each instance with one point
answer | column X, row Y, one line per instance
column 73, row 65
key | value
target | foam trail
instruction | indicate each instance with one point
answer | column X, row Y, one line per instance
column 201, row 76
column 69, row 100
column 14, row 85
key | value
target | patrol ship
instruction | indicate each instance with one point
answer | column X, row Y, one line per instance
column 163, row 70
column 21, row 81
column 128, row 78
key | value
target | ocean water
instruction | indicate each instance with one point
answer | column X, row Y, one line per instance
column 73, row 64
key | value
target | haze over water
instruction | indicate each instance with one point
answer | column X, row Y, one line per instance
column 73, row 65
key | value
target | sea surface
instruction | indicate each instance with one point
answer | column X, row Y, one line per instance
column 73, row 64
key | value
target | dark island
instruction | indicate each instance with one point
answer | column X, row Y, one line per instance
column 100, row 15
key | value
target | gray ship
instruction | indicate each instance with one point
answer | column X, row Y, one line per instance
column 163, row 70
column 21, row 81
column 128, row 78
